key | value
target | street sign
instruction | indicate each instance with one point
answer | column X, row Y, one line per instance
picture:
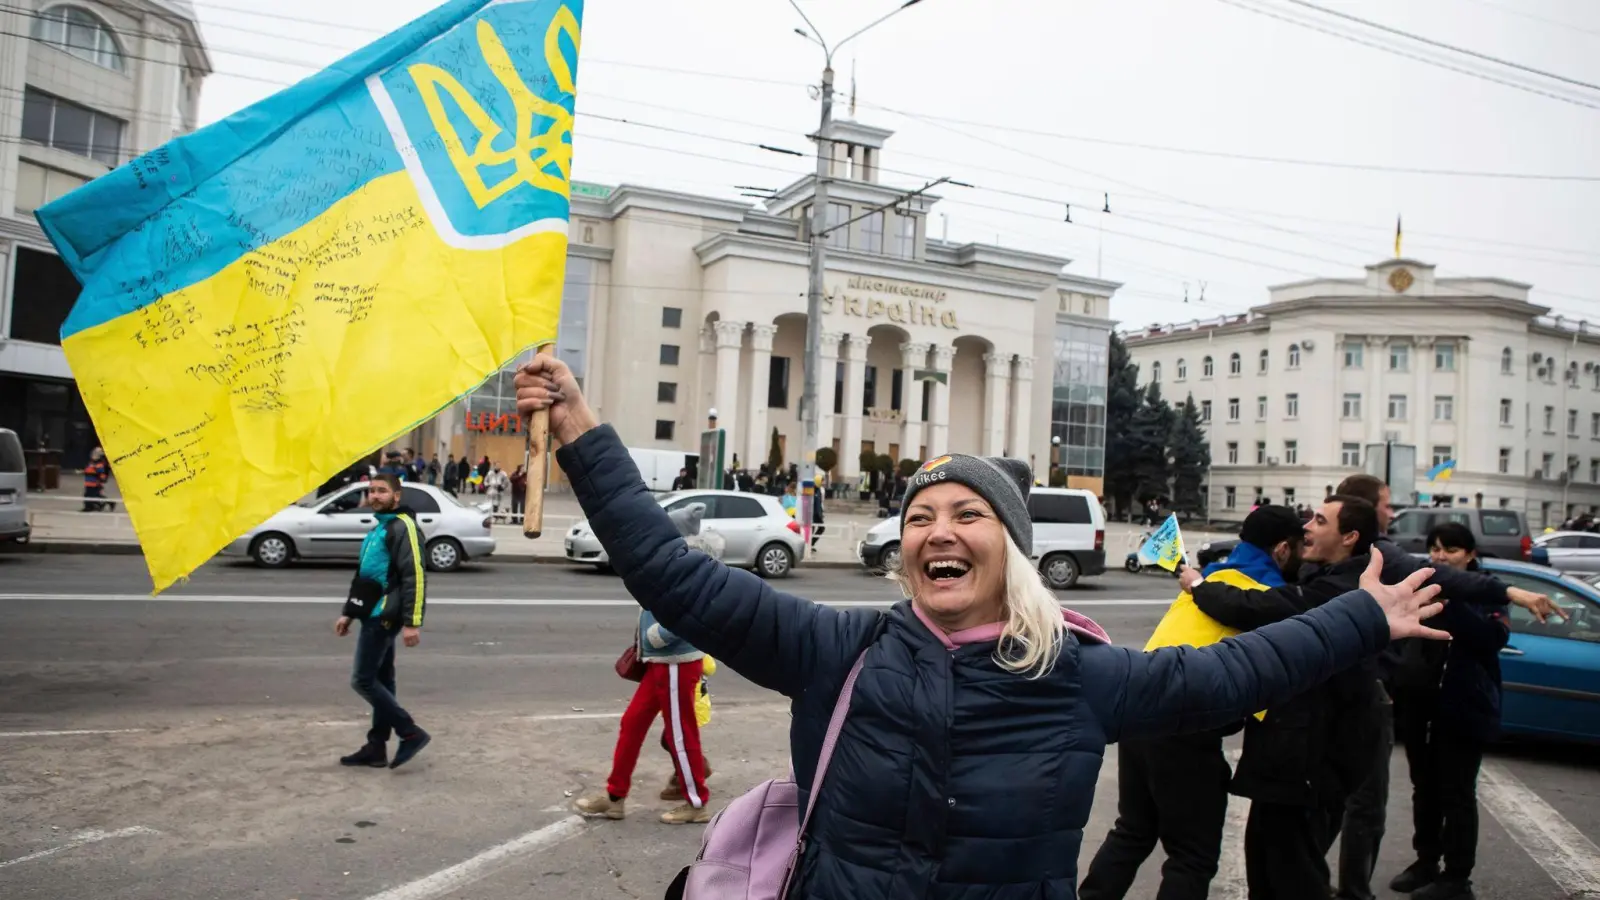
column 1396, row 464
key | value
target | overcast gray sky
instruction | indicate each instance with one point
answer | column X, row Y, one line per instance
column 1003, row 93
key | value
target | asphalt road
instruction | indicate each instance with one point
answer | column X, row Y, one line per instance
column 185, row 746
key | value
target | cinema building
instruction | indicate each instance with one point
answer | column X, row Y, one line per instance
column 677, row 304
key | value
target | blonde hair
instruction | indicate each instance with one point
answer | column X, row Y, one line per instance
column 1034, row 629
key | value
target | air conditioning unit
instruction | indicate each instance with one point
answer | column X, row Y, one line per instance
column 1392, row 436
column 1573, row 365
column 1272, row 460
column 1536, row 358
column 1588, row 367
column 1308, row 345
column 1544, row 372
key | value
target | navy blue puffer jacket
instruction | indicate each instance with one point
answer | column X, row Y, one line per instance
column 953, row 779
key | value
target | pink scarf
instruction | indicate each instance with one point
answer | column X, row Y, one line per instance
column 1083, row 626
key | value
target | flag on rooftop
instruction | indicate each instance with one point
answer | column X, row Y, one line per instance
column 283, row 292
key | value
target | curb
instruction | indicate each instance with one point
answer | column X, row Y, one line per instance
column 126, row 549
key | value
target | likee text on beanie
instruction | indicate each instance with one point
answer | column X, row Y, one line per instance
column 1002, row 483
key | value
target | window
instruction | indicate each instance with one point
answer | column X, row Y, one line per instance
column 838, row 232
column 1183, row 370
column 1597, row 378
column 1444, row 357
column 778, row 382
column 734, row 507
column 1233, row 453
column 418, row 499
column 1059, row 509
column 1206, row 367
column 1262, row 366
column 1294, row 356
column 1583, row 623
column 1350, row 407
column 1550, row 420
column 1230, row 498
column 1444, row 408
column 869, row 233
column 1505, row 461
column 1235, row 364
column 1547, row 464
column 869, row 392
column 1399, row 357
column 1261, row 409
column 1572, row 468
column 905, row 237
column 1572, row 423
column 1261, row 453
column 1349, row 455
column 1353, row 354
column 1155, row 372
column 1594, row 425
column 80, row 33
column 1233, row 409
column 1291, row 405
column 1505, row 412
column 897, row 391
column 666, row 392
column 669, row 354
column 1505, row 361
column 1205, row 410
column 838, row 389
column 57, row 123
column 1288, row 496
column 1397, row 407
column 1291, row 453
column 1442, row 454
column 44, row 293
column 1500, row 525
column 1594, row 470
column 664, row 429
column 671, row 317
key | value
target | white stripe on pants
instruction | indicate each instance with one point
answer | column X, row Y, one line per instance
column 675, row 716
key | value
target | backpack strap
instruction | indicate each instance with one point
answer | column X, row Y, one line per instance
column 836, row 724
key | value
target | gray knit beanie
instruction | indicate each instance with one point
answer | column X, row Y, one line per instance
column 1002, row 483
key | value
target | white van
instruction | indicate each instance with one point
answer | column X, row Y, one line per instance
column 14, row 527
column 660, row 467
column 1069, row 537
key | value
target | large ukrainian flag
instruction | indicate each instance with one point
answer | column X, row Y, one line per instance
column 284, row 291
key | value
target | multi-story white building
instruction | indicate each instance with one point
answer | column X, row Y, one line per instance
column 1464, row 369
column 678, row 304
column 84, row 87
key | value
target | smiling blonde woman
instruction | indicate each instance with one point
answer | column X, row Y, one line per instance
column 967, row 763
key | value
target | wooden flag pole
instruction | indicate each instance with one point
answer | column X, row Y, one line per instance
column 537, row 465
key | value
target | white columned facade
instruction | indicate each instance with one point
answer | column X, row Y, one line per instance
column 997, row 382
column 827, row 389
column 855, row 386
column 1021, row 410
column 730, row 337
column 939, row 405
column 1377, row 360
column 758, row 431
column 913, row 356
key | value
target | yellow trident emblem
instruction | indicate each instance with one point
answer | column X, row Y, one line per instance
column 531, row 153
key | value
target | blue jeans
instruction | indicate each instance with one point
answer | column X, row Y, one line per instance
column 373, row 678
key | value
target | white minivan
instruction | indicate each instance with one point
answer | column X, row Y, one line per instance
column 14, row 525
column 1069, row 537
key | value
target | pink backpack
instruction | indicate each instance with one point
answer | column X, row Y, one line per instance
column 751, row 848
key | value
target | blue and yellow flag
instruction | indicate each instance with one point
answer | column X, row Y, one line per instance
column 1442, row 471
column 1165, row 547
column 282, row 292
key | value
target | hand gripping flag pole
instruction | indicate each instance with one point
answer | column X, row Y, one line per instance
column 537, row 465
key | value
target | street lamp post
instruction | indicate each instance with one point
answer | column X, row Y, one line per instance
column 810, row 415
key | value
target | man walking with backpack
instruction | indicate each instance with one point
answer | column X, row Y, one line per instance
column 386, row 601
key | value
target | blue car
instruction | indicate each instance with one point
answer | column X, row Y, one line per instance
column 1551, row 672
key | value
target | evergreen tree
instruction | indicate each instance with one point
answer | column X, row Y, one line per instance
column 1123, row 398
column 775, row 454
column 1191, row 459
column 1147, row 436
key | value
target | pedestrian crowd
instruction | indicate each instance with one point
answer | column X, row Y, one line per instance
column 950, row 746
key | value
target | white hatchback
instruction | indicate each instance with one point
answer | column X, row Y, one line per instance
column 758, row 532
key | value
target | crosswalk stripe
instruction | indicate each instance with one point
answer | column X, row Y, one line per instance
column 1571, row 860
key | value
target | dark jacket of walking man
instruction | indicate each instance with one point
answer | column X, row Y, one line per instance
column 386, row 600
column 1175, row 789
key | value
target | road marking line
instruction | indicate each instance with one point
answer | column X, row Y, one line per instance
column 1571, row 860
column 448, row 881
column 28, row 734
column 1230, row 883
column 78, row 840
column 481, row 601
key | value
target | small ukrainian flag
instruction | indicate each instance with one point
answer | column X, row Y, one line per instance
column 1442, row 471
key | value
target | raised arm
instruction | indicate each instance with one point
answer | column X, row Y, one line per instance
column 1478, row 588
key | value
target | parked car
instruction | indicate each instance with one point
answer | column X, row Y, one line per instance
column 1500, row 533
column 332, row 527
column 1069, row 537
column 1575, row 552
column 14, row 526
column 1551, row 671
column 1214, row 551
column 758, row 532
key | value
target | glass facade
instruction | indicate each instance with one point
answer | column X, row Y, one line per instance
column 1078, row 397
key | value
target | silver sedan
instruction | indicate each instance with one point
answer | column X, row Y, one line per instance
column 333, row 527
column 758, row 533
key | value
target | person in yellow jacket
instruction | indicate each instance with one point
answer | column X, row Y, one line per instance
column 1175, row 790
column 702, row 717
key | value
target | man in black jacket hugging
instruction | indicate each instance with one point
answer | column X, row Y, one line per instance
column 1301, row 759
